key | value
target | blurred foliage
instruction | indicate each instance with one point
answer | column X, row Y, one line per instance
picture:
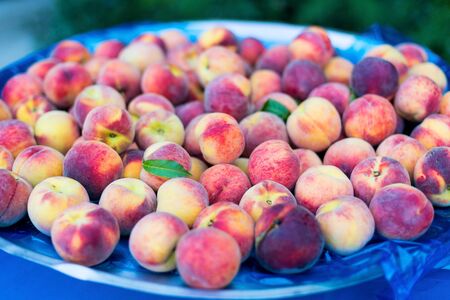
column 425, row 21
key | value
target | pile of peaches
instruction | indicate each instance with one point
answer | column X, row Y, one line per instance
column 207, row 152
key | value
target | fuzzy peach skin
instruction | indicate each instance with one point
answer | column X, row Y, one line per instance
column 323, row 34
column 94, row 165
column 218, row 36
column 15, row 136
column 432, row 175
column 371, row 118
column 64, row 82
column 40, row 68
column 338, row 69
column 260, row 127
column 284, row 99
column 263, row 195
column 20, row 87
column 5, row 112
column 231, row 219
column 207, row 258
column 392, row 55
column 346, row 224
column 287, row 239
column 188, row 111
column 300, row 77
column 148, row 102
column 93, row 66
column 217, row 61
column 307, row 159
column 164, row 151
column 434, row 131
column 129, row 200
column 109, row 48
column 274, row 160
column 337, row 93
column 56, row 129
column 31, row 109
column 122, row 76
column 85, row 234
column 401, row 212
column 219, row 137
column 331, row 181
column 431, row 71
column 444, row 108
column 132, row 163
column 150, row 38
column 173, row 39
column 6, row 159
column 159, row 126
column 154, row 239
column 198, row 166
column 13, row 203
column 310, row 46
column 347, row 153
column 404, row 149
column 264, row 82
column 141, row 55
column 185, row 57
column 374, row 173
column 314, row 125
column 417, row 98
column 275, row 58
column 70, row 51
column 191, row 143
column 182, row 197
column 251, row 49
column 51, row 197
column 413, row 53
column 111, row 125
column 37, row 163
column 225, row 182
column 94, row 96
column 242, row 163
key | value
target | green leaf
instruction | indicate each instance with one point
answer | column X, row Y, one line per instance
column 276, row 108
column 165, row 168
column 352, row 95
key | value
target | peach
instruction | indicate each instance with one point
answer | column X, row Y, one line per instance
column 174, row 39
column 109, row 48
column 31, row 109
column 346, row 224
column 307, row 159
column 188, row 111
column 315, row 124
column 323, row 34
column 225, row 182
column 191, row 143
column 400, row 127
column 431, row 71
column 154, row 239
column 374, row 173
column 70, row 51
column 309, row 45
column 207, row 258
column 141, row 55
column 37, row 163
column 284, row 99
column 122, row 76
column 274, row 160
column 195, row 89
column 347, row 153
column 275, row 58
column 287, row 239
column 13, row 203
column 182, row 197
column 432, row 175
column 168, row 81
column 401, row 212
column 417, row 98
column 371, row 118
column 264, row 82
column 217, row 36
column 217, row 61
column 164, row 151
column 6, row 159
column 260, row 127
column 64, row 82
column 300, row 77
column 111, row 125
column 231, row 219
column 392, row 55
column 132, row 163
column 263, row 195
column 15, row 136
column 184, row 57
column 150, row 38
column 85, row 234
column 51, row 197
column 413, row 53
column 434, row 131
column 338, row 69
column 242, row 163
column 40, row 68
column 94, row 165
column 128, row 200
column 149, row 102
column 5, row 112
column 56, row 129
column 94, row 65
column 331, row 181
column 94, row 96
column 337, row 93
column 251, row 49
column 198, row 166
column 20, row 87
column 403, row 149
column 444, row 107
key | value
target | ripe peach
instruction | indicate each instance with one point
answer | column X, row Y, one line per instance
column 198, row 166
column 6, row 159
column 85, row 234
column 307, row 159
column 174, row 39
column 154, row 239
column 284, row 99
column 128, row 200
column 109, row 48
column 225, row 182
column 251, row 49
column 309, row 45
column 443, row 109
column 13, row 203
column 5, row 112
column 274, row 160
column 373, row 173
column 150, row 38
column 94, row 65
column 51, row 197
column 401, row 212
column 337, row 93
column 70, row 51
column 371, row 118
column 188, row 111
column 15, row 136
column 185, row 57
column 338, row 69
column 434, row 131
column 122, row 76
column 207, row 258
column 242, row 163
column 431, row 71
column 300, row 77
column 20, row 87
column 31, row 109
column 275, row 58
column 314, row 125
column 191, row 143
column 413, row 53
column 132, row 163
column 264, row 82
column 195, row 89
column 141, row 55
column 392, row 55
column 323, row 34
column 149, row 102
column 432, row 175
column 40, row 68
column 217, row 36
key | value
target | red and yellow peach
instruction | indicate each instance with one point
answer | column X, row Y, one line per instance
column 13, row 203
column 15, row 136
column 434, row 131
